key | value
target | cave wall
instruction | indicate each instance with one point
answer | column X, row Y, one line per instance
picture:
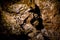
column 49, row 14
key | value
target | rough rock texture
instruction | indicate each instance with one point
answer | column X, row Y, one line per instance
column 21, row 20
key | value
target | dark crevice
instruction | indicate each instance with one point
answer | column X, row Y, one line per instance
column 37, row 11
column 40, row 25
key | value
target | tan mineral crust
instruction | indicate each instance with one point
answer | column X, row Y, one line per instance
column 15, row 20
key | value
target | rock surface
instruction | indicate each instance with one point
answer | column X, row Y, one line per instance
column 16, row 20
